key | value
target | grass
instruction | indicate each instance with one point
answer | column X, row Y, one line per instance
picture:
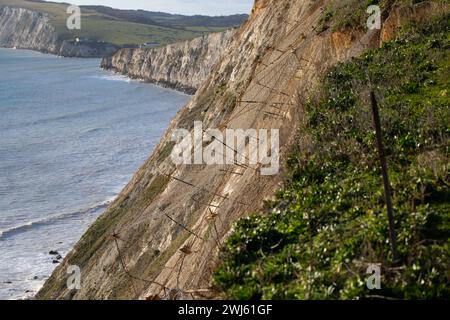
column 342, row 15
column 328, row 223
column 157, row 186
column 99, row 26
column 165, row 151
column 123, row 32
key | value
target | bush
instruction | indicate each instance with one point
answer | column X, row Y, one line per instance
column 329, row 222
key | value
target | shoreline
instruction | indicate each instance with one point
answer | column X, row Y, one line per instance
column 48, row 52
column 57, row 253
column 190, row 91
column 162, row 84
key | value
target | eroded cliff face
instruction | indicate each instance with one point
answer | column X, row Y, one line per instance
column 75, row 49
column 161, row 236
column 183, row 66
column 25, row 29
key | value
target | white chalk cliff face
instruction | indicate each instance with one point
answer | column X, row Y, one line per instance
column 183, row 66
column 25, row 29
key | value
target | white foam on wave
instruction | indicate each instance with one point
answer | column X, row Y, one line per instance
column 35, row 223
column 114, row 77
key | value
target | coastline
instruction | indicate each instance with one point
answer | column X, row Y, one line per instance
column 37, row 282
column 190, row 91
column 183, row 66
column 73, row 54
column 38, row 33
column 68, row 215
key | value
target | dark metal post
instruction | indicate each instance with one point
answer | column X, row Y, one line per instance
column 384, row 169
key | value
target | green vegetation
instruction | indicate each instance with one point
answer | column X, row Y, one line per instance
column 128, row 27
column 329, row 222
column 227, row 98
column 165, row 151
column 351, row 14
column 211, row 95
column 157, row 186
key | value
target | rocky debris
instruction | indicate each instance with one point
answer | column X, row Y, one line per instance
column 57, row 257
column 186, row 250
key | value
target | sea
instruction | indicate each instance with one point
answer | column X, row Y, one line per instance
column 71, row 137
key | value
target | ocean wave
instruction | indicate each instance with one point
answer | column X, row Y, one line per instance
column 51, row 219
column 89, row 132
column 114, row 77
column 49, row 120
column 45, row 120
column 68, row 116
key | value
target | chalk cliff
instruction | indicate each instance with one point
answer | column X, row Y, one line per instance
column 26, row 29
column 160, row 238
column 183, row 66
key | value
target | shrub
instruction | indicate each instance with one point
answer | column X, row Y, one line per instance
column 329, row 222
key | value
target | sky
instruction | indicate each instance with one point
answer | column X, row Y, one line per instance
column 186, row 7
